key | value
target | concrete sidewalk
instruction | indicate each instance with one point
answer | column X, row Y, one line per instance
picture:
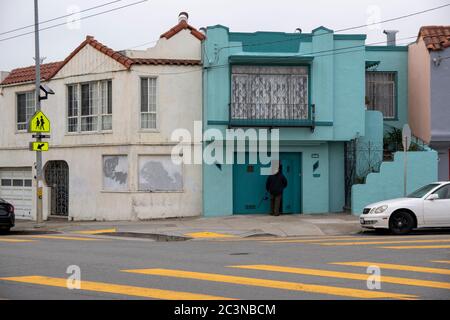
column 216, row 227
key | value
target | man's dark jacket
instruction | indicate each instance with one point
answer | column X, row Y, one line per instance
column 276, row 183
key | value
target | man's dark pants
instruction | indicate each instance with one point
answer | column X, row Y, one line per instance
column 275, row 204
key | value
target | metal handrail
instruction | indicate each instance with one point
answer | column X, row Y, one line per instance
column 269, row 111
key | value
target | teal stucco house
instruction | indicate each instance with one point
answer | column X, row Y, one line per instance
column 324, row 92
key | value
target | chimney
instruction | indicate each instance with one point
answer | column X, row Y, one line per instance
column 183, row 16
column 391, row 37
column 3, row 75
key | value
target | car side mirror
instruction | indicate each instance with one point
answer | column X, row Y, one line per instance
column 433, row 197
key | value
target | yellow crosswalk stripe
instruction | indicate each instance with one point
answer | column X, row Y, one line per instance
column 96, row 231
column 274, row 284
column 417, row 247
column 383, row 242
column 64, row 238
column 390, row 266
column 12, row 240
column 116, row 289
column 347, row 275
column 441, row 261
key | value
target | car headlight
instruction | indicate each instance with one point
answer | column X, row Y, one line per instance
column 381, row 209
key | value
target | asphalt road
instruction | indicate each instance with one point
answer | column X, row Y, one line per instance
column 412, row 267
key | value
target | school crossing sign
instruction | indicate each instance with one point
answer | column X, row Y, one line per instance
column 39, row 123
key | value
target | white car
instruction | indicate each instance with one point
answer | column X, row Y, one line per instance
column 428, row 207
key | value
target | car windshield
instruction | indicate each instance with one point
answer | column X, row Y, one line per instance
column 423, row 191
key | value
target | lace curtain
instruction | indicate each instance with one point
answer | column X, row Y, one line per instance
column 269, row 93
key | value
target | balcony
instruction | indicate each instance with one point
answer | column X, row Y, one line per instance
column 272, row 115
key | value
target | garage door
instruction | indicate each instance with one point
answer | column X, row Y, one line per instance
column 15, row 187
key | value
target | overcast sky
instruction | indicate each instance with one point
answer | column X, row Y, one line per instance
column 143, row 23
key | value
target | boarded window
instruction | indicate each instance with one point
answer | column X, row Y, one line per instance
column 381, row 93
column 269, row 93
column 159, row 173
column 115, row 173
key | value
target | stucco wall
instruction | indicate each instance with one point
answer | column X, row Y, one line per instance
column 389, row 182
column 337, row 90
column 369, row 147
column 440, row 95
column 419, row 90
column 394, row 59
column 179, row 104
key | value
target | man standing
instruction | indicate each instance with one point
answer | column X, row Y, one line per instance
column 275, row 185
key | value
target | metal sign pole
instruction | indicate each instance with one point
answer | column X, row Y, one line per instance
column 406, row 141
column 406, row 167
column 39, row 182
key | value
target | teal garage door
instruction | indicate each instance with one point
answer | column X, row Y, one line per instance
column 249, row 186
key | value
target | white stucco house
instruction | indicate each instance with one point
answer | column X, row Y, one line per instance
column 112, row 117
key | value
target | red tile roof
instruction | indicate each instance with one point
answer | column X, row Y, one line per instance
column 29, row 73
column 183, row 25
column 124, row 60
column 435, row 37
column 49, row 70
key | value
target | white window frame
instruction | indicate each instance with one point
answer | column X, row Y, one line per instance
column 156, row 112
column 97, row 106
column 27, row 116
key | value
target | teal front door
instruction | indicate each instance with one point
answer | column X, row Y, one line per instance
column 249, row 186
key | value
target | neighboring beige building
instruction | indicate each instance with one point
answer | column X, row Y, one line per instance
column 111, row 122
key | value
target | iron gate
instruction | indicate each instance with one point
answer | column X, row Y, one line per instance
column 57, row 177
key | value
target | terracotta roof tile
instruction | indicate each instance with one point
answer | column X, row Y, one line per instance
column 183, row 25
column 49, row 70
column 435, row 37
column 29, row 73
column 172, row 62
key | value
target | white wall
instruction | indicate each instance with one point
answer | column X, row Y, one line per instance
column 179, row 92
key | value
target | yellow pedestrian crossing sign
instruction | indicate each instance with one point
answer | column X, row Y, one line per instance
column 39, row 123
column 39, row 146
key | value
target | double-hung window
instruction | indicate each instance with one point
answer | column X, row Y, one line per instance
column 381, row 92
column 25, row 109
column 148, row 103
column 89, row 106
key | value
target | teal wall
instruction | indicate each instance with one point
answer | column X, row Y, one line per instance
column 337, row 88
column 388, row 183
column 337, row 81
column 337, row 176
column 315, row 186
column 394, row 58
column 370, row 146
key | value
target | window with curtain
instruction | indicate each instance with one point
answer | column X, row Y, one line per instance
column 148, row 103
column 269, row 93
column 381, row 92
column 89, row 106
column 26, row 108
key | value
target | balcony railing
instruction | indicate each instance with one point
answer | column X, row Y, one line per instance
column 271, row 115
